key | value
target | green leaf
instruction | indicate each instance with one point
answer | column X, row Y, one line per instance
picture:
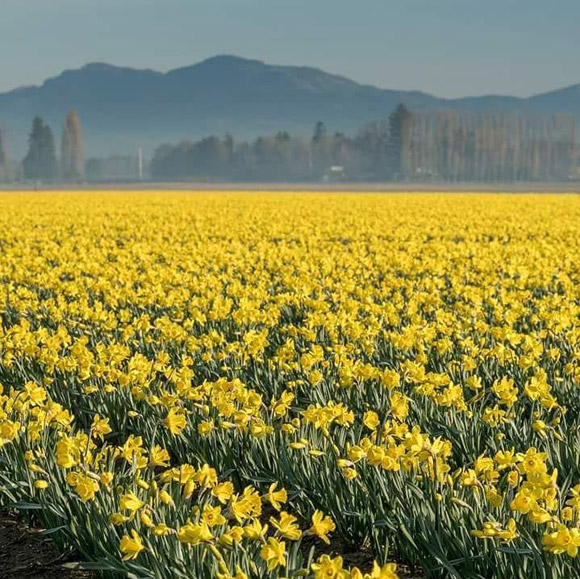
column 24, row 506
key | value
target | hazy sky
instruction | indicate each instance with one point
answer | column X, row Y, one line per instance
column 446, row 47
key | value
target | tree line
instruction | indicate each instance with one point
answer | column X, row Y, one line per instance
column 408, row 146
column 453, row 146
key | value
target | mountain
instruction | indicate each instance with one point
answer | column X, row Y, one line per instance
column 122, row 108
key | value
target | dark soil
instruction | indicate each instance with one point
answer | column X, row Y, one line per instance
column 26, row 553
column 360, row 558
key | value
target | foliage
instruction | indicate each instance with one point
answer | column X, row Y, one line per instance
column 410, row 146
column 40, row 162
column 5, row 166
column 397, row 373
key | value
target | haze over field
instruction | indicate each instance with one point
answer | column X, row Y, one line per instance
column 261, row 75
column 121, row 107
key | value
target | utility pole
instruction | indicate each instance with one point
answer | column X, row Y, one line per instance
column 140, row 163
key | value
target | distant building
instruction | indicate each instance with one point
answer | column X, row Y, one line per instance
column 334, row 173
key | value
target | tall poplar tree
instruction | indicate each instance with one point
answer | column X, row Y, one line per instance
column 5, row 169
column 72, row 149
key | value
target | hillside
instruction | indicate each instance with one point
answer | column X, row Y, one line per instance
column 123, row 107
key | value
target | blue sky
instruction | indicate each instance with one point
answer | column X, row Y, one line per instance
column 446, row 47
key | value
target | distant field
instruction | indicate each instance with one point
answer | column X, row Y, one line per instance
column 572, row 187
column 294, row 385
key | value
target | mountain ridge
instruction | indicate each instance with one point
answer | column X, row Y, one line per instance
column 123, row 107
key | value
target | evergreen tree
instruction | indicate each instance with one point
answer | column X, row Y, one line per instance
column 5, row 169
column 72, row 150
column 40, row 161
column 398, row 143
column 319, row 132
column 32, row 161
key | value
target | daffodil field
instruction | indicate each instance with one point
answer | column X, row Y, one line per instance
column 254, row 385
